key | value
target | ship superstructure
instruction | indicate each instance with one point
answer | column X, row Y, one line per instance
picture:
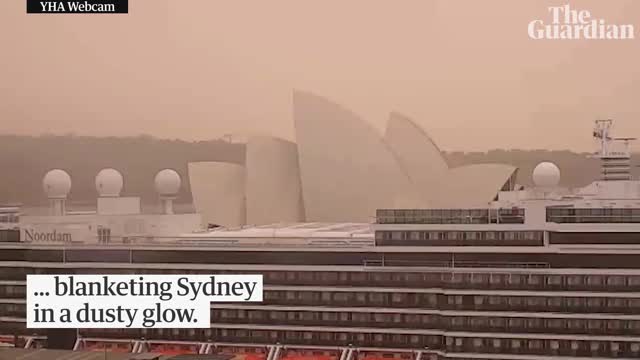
column 535, row 274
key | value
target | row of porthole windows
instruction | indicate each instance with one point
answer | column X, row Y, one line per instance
column 453, row 344
column 429, row 300
column 457, row 302
column 430, row 321
column 421, row 279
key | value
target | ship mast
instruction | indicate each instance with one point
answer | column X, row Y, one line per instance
column 616, row 160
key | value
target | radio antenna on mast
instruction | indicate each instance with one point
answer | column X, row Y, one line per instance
column 616, row 163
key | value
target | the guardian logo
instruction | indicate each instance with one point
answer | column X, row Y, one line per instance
column 570, row 24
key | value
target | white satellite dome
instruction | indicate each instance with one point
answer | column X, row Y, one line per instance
column 546, row 174
column 168, row 182
column 57, row 184
column 109, row 183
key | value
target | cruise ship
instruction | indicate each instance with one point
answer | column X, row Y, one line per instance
column 538, row 273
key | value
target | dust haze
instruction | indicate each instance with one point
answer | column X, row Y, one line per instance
column 466, row 71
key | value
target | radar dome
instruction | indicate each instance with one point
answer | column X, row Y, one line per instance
column 57, row 183
column 167, row 182
column 546, row 174
column 109, row 183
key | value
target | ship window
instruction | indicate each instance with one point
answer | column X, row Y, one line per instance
column 307, row 315
column 555, row 323
column 575, row 302
column 360, row 317
column 271, row 295
column 329, row 316
column 496, row 321
column 495, row 300
column 470, row 235
column 306, row 275
column 574, row 280
column 479, row 321
column 256, row 315
column 615, row 302
column 429, row 319
column 242, row 314
column 534, row 280
column 480, row 278
column 594, row 280
column 376, row 297
column 554, row 280
column 397, row 318
column 478, row 300
column 536, row 301
column 515, row 301
column 534, row 323
column 633, row 324
column 634, row 280
column 361, row 297
column 412, row 318
column 380, row 317
column 615, row 280
column 575, row 324
column 308, row 296
column 457, row 321
column 341, row 296
column 514, row 279
column 276, row 276
column 535, row 344
column 291, row 295
column 344, row 316
column 398, row 298
column 330, row 276
column 497, row 279
column 594, row 302
column 594, row 324
column 615, row 324
column 432, row 299
column 555, row 302
column 381, row 277
column 634, row 303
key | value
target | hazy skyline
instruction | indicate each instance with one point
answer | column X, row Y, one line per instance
column 466, row 71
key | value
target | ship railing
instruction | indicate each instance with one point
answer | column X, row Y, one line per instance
column 451, row 216
column 455, row 264
column 185, row 241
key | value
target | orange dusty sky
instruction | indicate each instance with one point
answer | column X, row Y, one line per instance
column 198, row 69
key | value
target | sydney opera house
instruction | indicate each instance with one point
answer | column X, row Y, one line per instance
column 340, row 169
